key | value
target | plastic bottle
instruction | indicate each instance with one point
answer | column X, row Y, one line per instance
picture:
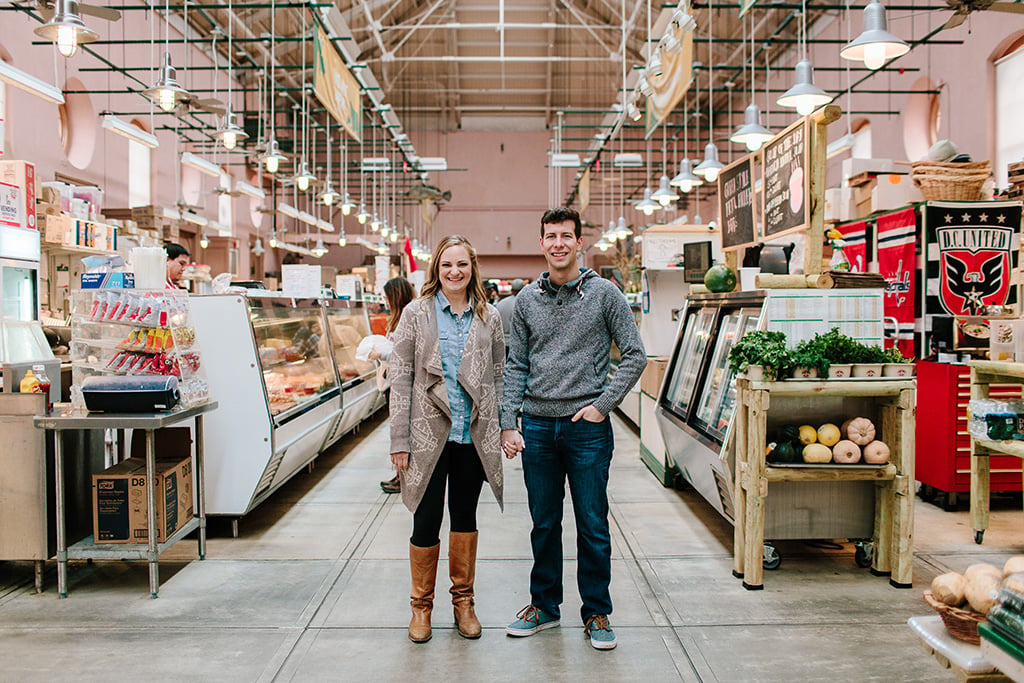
column 44, row 385
column 29, row 383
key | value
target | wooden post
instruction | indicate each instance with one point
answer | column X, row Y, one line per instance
column 903, row 531
column 979, row 467
column 820, row 121
column 740, row 465
column 757, row 491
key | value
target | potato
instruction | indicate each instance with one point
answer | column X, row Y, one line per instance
column 1013, row 565
column 982, row 591
column 949, row 588
column 1014, row 583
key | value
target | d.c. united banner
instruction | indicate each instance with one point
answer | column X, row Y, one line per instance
column 897, row 239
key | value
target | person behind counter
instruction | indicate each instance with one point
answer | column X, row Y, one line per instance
column 177, row 258
column 447, row 370
column 398, row 293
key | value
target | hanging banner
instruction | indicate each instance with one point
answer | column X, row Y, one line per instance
column 745, row 5
column 855, row 236
column 897, row 241
column 584, row 190
column 673, row 83
column 336, row 87
column 975, row 245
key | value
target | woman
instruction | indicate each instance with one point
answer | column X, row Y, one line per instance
column 398, row 292
column 446, row 379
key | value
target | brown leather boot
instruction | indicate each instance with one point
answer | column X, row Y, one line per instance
column 423, row 564
column 462, row 568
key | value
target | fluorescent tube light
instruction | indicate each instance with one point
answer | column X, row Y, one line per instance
column 287, row 210
column 561, row 160
column 30, row 84
column 324, row 225
column 376, row 164
column 127, row 130
column 433, row 163
column 628, row 160
column 307, row 218
column 202, row 165
column 839, row 146
column 250, row 190
column 194, row 218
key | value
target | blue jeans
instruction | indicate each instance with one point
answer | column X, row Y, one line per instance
column 558, row 448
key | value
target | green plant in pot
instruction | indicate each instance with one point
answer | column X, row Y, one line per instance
column 808, row 355
column 833, row 347
column 894, row 355
column 760, row 348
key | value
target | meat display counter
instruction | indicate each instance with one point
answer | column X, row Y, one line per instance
column 271, row 368
column 347, row 324
column 697, row 401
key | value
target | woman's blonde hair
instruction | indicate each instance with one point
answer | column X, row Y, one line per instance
column 477, row 295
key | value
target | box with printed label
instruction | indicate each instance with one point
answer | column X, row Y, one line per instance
column 21, row 176
column 120, row 506
column 108, row 280
column 654, row 373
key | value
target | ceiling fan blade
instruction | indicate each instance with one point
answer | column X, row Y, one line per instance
column 100, row 12
column 1013, row 7
column 955, row 20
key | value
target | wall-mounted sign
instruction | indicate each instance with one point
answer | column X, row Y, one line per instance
column 736, row 204
column 336, row 87
column 786, row 187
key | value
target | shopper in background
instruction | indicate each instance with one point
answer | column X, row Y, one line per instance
column 506, row 306
column 492, row 292
column 446, row 380
column 557, row 375
column 177, row 258
column 398, row 293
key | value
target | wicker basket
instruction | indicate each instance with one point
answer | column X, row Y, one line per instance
column 961, row 623
column 951, row 181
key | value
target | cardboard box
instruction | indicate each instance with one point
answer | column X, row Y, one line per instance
column 119, row 503
column 654, row 373
column 893, row 191
column 18, row 184
column 839, row 204
column 59, row 229
column 108, row 280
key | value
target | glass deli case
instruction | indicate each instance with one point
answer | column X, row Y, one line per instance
column 270, row 365
column 347, row 325
column 698, row 398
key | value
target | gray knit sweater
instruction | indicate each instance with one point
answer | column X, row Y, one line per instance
column 560, row 346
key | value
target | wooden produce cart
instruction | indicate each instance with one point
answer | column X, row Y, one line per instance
column 889, row 403
column 984, row 374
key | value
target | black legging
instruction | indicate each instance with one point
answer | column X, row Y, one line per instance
column 460, row 465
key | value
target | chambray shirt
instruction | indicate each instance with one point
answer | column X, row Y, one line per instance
column 453, row 331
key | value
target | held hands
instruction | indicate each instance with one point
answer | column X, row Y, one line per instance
column 590, row 414
column 512, row 443
column 400, row 460
column 374, row 354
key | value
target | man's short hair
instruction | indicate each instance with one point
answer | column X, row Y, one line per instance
column 175, row 250
column 561, row 214
column 517, row 285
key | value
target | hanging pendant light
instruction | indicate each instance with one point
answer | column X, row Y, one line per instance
column 363, row 214
column 328, row 196
column 752, row 133
column 375, row 223
column 686, row 180
column 319, row 250
column 66, row 28
column 274, row 244
column 342, row 240
column 711, row 166
column 347, row 205
column 654, row 65
column 230, row 132
column 257, row 247
column 272, row 157
column 166, row 93
column 804, row 95
column 394, row 235
column 664, row 194
column 622, row 230
column 647, row 205
column 303, row 178
column 875, row 45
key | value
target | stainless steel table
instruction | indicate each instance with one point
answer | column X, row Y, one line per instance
column 149, row 422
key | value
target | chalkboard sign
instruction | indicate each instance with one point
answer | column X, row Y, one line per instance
column 786, row 181
column 696, row 261
column 736, row 204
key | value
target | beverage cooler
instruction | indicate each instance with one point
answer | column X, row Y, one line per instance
column 19, row 273
column 270, row 363
column 698, row 397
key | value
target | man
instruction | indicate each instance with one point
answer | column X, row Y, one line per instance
column 177, row 259
column 507, row 305
column 557, row 374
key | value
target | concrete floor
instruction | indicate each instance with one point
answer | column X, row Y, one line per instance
column 315, row 588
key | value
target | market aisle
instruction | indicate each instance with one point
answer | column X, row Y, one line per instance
column 315, row 588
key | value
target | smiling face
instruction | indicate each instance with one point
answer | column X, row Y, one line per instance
column 560, row 246
column 455, row 271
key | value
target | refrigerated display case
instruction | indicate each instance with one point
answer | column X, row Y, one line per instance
column 698, row 397
column 347, row 324
column 271, row 367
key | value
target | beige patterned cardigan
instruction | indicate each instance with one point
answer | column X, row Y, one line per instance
column 420, row 414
